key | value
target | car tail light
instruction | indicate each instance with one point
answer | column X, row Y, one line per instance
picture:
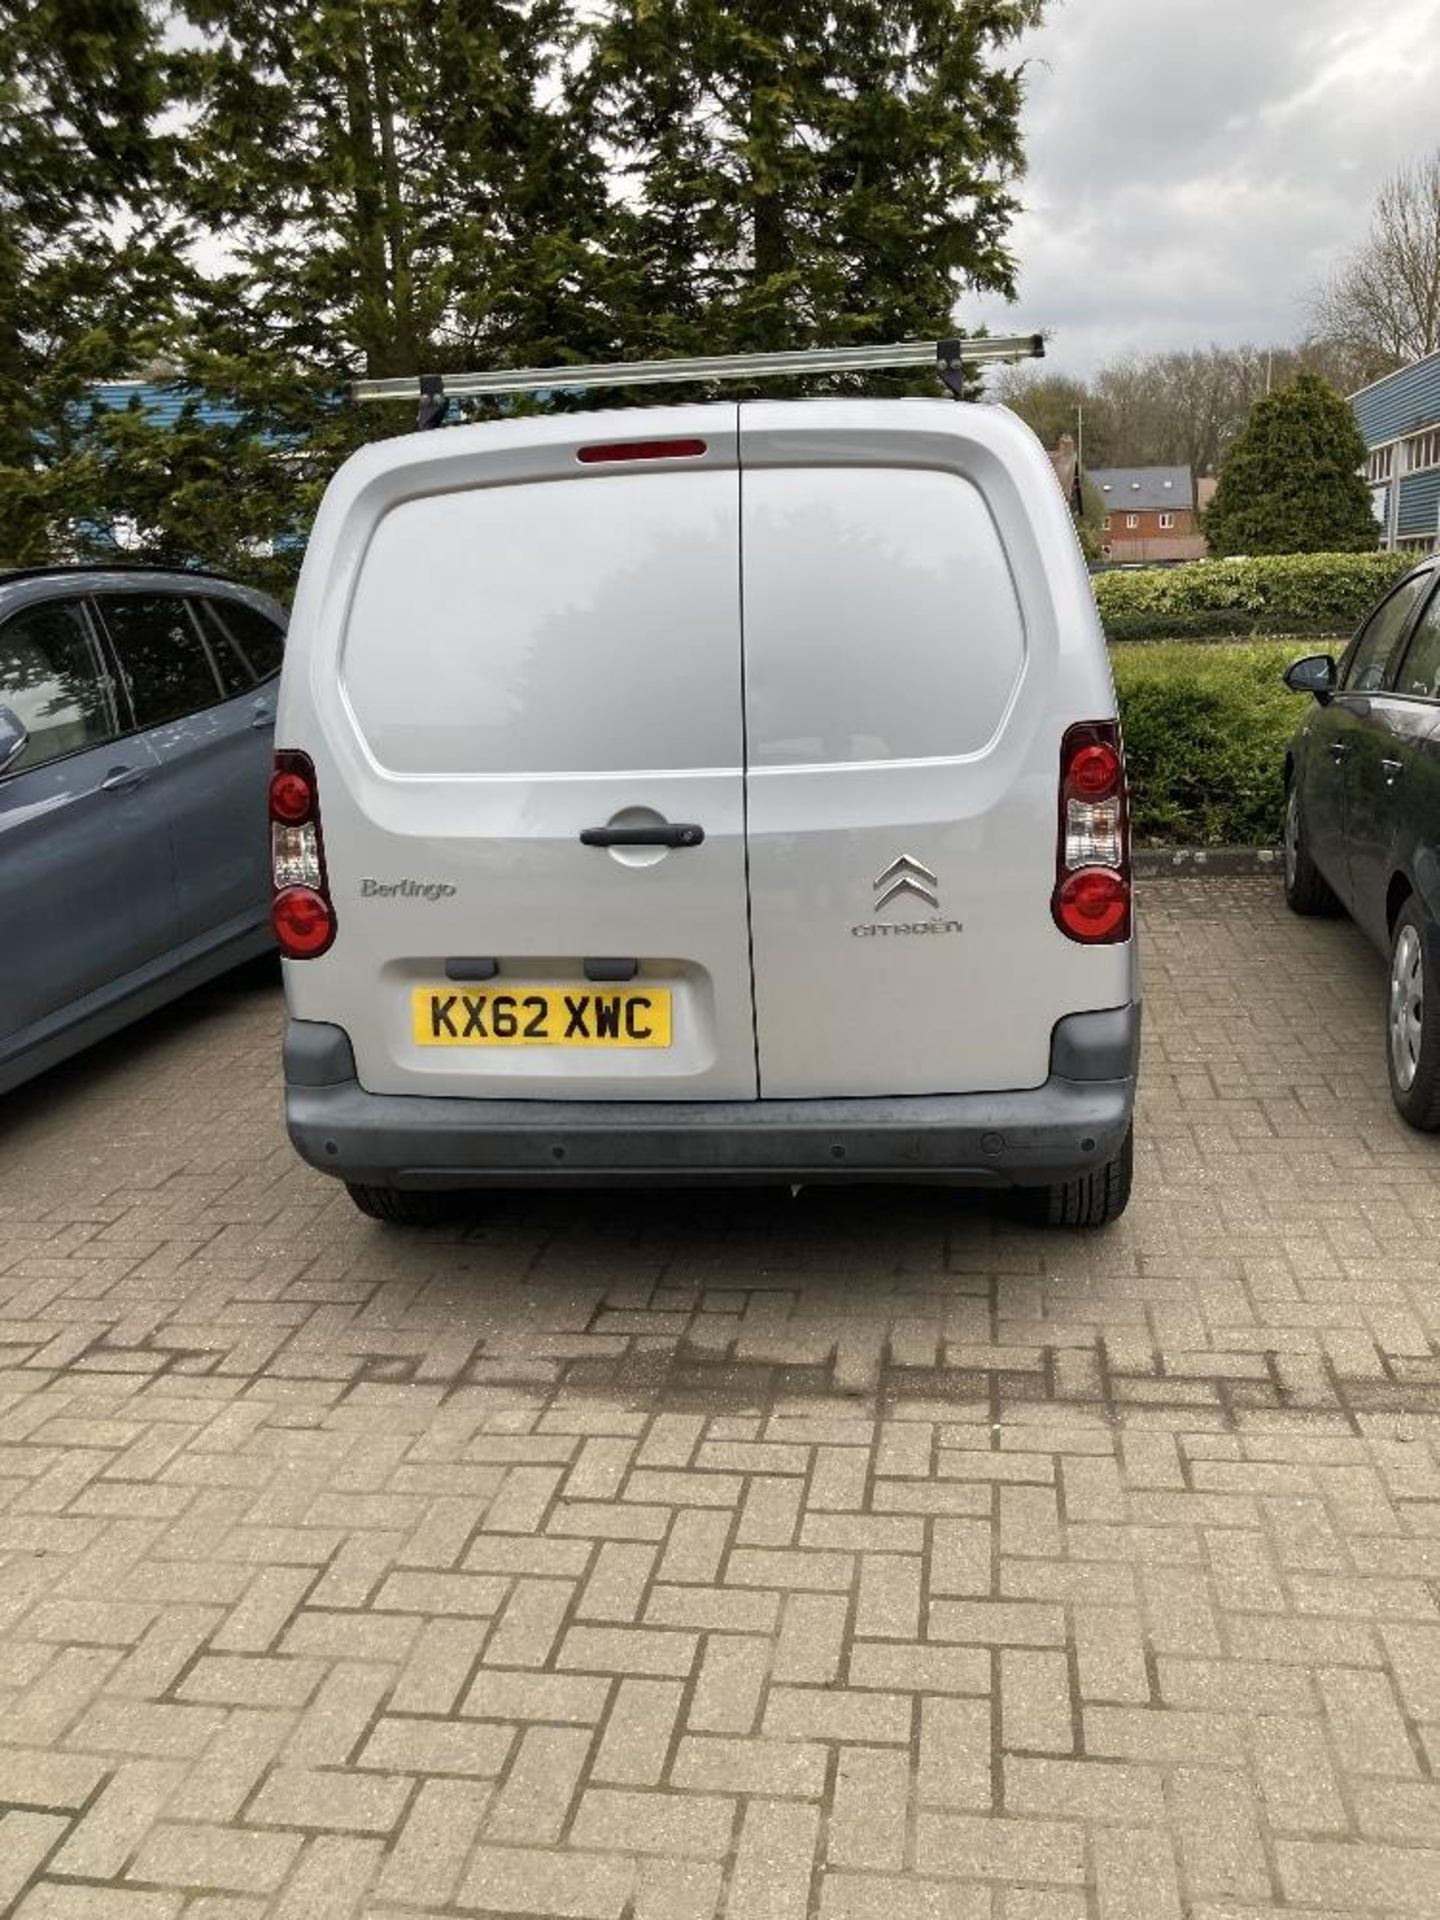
column 301, row 912
column 1091, row 902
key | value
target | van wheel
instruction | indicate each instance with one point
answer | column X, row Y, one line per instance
column 1090, row 1199
column 1306, row 888
column 1413, row 1049
column 397, row 1208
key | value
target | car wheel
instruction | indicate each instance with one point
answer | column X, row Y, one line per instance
column 1090, row 1199
column 1306, row 888
column 397, row 1208
column 1413, row 1042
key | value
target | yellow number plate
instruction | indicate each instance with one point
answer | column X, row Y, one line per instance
column 456, row 1016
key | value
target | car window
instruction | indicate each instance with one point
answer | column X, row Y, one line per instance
column 1420, row 669
column 247, row 632
column 165, row 664
column 1364, row 668
column 229, row 662
column 50, row 676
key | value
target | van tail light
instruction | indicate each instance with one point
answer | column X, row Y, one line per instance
column 301, row 913
column 1091, row 902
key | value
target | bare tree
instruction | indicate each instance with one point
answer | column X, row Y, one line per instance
column 1383, row 303
column 1344, row 364
column 1183, row 408
column 1052, row 405
column 1179, row 409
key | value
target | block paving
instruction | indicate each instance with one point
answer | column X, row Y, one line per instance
column 857, row 1555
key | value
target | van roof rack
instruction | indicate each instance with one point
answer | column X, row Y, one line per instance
column 435, row 391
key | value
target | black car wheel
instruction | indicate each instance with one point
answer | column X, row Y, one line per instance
column 1413, row 1042
column 1306, row 888
column 1090, row 1199
column 399, row 1208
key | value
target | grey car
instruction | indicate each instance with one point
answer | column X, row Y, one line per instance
column 136, row 713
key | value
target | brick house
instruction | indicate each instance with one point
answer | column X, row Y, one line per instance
column 1150, row 514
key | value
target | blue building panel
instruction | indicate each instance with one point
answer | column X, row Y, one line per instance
column 1390, row 414
column 1419, row 508
column 1400, row 403
column 162, row 406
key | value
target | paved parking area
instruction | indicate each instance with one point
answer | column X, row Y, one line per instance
column 858, row 1555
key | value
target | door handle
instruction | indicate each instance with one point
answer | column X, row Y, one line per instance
column 1393, row 770
column 123, row 779
column 1338, row 749
column 661, row 836
column 261, row 715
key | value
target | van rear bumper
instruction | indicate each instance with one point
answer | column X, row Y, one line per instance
column 1073, row 1123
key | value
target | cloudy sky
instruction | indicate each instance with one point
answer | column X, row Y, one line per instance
column 1196, row 165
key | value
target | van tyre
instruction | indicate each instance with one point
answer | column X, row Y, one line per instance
column 398, row 1208
column 1306, row 888
column 1412, row 1040
column 1090, row 1199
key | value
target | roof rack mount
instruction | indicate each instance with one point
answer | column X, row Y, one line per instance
column 949, row 358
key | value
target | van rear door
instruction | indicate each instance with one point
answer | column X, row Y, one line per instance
column 918, row 632
column 541, row 649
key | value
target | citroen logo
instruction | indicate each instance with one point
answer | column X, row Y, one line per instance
column 907, row 875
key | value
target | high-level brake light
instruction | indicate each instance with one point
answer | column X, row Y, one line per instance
column 1091, row 902
column 640, row 450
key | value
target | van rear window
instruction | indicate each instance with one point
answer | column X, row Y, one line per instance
column 881, row 620
column 572, row 626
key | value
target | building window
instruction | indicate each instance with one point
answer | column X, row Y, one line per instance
column 1106, row 549
column 1167, row 521
column 1105, row 524
column 1416, row 542
column 1132, row 519
column 1423, row 451
column 1380, row 465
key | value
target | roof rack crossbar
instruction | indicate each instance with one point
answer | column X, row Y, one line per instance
column 944, row 355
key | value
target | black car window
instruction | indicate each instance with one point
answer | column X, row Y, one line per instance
column 50, row 676
column 1419, row 671
column 162, row 657
column 256, row 639
column 230, row 663
column 1364, row 667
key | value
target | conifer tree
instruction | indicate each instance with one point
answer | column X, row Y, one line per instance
column 400, row 186
column 1291, row 483
column 81, row 276
column 809, row 174
column 375, row 187
column 401, row 181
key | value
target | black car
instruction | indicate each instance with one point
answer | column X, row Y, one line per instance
column 1362, row 814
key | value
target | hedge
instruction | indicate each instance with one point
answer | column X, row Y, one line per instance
column 1216, row 624
column 1316, row 593
column 1205, row 734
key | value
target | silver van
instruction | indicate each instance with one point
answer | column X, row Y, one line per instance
column 706, row 794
